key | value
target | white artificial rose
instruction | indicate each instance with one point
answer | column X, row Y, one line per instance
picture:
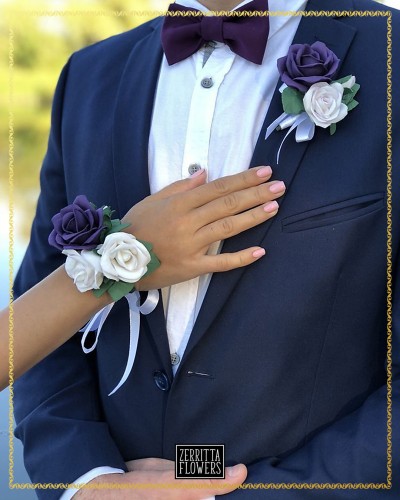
column 350, row 82
column 123, row 257
column 323, row 103
column 84, row 268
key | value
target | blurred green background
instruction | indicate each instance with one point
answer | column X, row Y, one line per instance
column 42, row 45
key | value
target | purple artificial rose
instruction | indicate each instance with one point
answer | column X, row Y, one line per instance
column 77, row 226
column 308, row 64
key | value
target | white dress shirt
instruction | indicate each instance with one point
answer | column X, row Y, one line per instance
column 215, row 127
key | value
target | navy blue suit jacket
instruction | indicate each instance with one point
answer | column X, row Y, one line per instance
column 295, row 344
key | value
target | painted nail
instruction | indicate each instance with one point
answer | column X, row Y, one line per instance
column 198, row 173
column 234, row 471
column 260, row 252
column 277, row 187
column 264, row 171
column 272, row 206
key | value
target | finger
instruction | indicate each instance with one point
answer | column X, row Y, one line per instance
column 235, row 224
column 228, row 261
column 239, row 201
column 192, row 182
column 148, row 464
column 234, row 477
column 225, row 185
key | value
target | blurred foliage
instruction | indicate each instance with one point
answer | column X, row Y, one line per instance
column 45, row 33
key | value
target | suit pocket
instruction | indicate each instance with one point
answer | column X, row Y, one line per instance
column 335, row 213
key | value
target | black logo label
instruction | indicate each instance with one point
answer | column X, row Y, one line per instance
column 199, row 461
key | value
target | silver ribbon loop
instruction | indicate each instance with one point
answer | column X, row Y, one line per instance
column 95, row 324
column 305, row 127
column 135, row 309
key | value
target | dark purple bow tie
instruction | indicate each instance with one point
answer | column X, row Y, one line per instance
column 247, row 36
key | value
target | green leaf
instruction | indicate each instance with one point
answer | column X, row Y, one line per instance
column 344, row 79
column 119, row 289
column 332, row 128
column 107, row 212
column 104, row 233
column 292, row 101
column 149, row 246
column 117, row 226
column 347, row 99
column 105, row 286
column 99, row 292
column 154, row 263
column 353, row 104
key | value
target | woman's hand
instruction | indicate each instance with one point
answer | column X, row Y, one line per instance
column 185, row 218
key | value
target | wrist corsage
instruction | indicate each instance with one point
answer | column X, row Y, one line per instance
column 310, row 95
column 100, row 256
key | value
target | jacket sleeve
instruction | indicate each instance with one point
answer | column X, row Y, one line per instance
column 57, row 408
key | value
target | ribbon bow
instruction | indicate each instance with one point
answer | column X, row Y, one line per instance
column 135, row 309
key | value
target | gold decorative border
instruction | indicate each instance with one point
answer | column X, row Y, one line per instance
column 263, row 486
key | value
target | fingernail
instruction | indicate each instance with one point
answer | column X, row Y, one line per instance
column 264, row 171
column 277, row 187
column 234, row 471
column 260, row 252
column 272, row 206
column 198, row 173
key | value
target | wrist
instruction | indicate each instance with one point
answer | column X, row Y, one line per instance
column 89, row 491
column 101, row 256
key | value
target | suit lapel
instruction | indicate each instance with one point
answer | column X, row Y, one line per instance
column 131, row 131
column 132, row 120
column 338, row 37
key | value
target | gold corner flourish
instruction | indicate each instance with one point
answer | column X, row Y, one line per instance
column 264, row 486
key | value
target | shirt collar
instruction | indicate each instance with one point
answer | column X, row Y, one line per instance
column 274, row 5
column 194, row 4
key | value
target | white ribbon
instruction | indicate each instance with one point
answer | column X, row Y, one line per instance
column 305, row 127
column 135, row 309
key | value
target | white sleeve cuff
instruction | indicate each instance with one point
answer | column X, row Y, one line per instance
column 98, row 471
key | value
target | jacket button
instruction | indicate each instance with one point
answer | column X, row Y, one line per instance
column 161, row 380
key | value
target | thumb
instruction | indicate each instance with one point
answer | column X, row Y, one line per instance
column 194, row 181
column 234, row 477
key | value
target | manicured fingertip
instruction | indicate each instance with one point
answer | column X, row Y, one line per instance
column 235, row 471
column 277, row 187
column 260, row 252
column 198, row 173
column 271, row 206
column 264, row 171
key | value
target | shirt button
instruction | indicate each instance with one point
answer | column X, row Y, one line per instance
column 193, row 168
column 175, row 358
column 207, row 83
column 161, row 380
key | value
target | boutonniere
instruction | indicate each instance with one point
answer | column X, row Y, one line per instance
column 310, row 95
